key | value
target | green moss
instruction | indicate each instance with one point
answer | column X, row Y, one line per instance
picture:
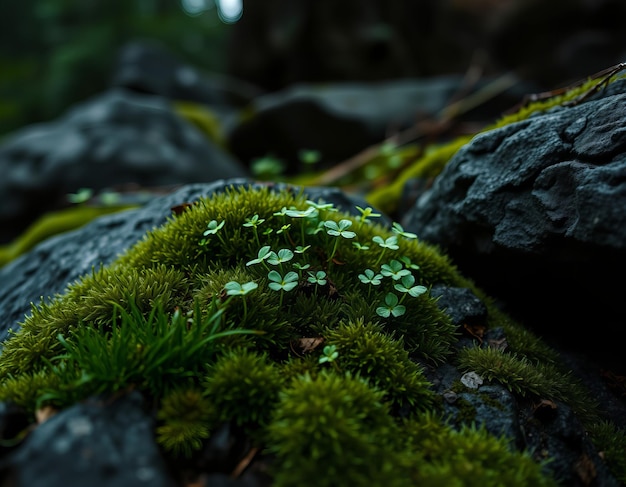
column 444, row 456
column 52, row 224
column 611, row 442
column 194, row 317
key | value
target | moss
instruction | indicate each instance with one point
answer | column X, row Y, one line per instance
column 52, row 224
column 305, row 364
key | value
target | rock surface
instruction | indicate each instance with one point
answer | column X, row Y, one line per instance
column 116, row 138
column 534, row 212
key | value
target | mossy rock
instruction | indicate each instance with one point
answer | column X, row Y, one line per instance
column 51, row 224
column 434, row 158
column 308, row 329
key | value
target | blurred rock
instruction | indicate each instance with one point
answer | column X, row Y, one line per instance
column 96, row 443
column 148, row 66
column 116, row 138
column 341, row 119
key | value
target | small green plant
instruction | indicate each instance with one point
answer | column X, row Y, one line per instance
column 391, row 307
column 330, row 354
column 233, row 288
column 281, row 283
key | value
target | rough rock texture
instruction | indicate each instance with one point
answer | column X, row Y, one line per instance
column 534, row 212
column 116, row 138
column 97, row 443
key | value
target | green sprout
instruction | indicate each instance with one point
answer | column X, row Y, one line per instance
column 233, row 288
column 282, row 284
column 212, row 229
column 398, row 230
column 330, row 354
column 254, row 222
column 395, row 270
column 391, row 307
column 318, row 278
column 366, row 213
column 340, row 229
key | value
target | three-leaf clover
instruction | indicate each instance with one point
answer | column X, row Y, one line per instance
column 318, row 278
column 340, row 229
column 406, row 286
column 394, row 269
column 264, row 253
column 370, row 277
column 390, row 243
column 283, row 255
column 330, row 354
column 390, row 307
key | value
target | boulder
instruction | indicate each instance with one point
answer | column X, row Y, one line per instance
column 534, row 212
column 114, row 139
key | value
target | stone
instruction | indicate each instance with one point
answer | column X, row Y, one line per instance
column 114, row 139
column 534, row 213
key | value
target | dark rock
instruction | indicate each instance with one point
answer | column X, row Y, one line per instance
column 147, row 66
column 113, row 139
column 461, row 305
column 341, row 119
column 534, row 213
column 96, row 443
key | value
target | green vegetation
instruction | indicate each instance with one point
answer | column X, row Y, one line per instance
column 306, row 327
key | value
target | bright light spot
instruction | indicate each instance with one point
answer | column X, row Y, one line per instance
column 229, row 11
column 196, row 7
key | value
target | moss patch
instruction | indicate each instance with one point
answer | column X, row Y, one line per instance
column 307, row 328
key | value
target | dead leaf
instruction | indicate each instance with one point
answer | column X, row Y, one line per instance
column 477, row 331
column 305, row 345
column 585, row 469
column 45, row 413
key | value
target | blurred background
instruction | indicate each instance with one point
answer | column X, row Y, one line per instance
column 54, row 53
